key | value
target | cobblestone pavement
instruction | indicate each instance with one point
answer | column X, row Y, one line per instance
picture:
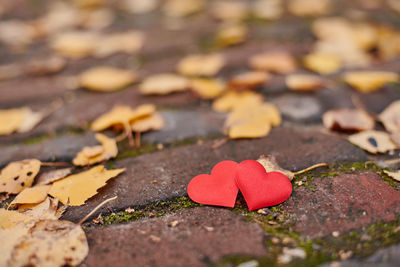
column 344, row 215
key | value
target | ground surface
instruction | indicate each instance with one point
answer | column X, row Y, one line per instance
column 349, row 211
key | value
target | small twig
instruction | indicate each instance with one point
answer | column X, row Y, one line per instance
column 138, row 142
column 55, row 164
column 311, row 168
column 128, row 131
column 219, row 143
column 95, row 209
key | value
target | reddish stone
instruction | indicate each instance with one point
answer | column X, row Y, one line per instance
column 343, row 203
column 203, row 235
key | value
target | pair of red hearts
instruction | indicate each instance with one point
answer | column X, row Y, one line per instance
column 259, row 188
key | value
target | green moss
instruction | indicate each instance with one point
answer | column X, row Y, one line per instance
column 157, row 209
column 128, row 151
column 35, row 140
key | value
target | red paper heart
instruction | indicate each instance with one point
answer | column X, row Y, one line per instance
column 259, row 188
column 218, row 189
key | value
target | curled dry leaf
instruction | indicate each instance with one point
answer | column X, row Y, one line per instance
column 373, row 141
column 395, row 175
column 10, row 218
column 309, row 7
column 207, row 88
column 369, row 81
column 18, row 120
column 77, row 188
column 348, row 120
column 390, row 117
column 182, row 8
column 233, row 99
column 249, row 80
column 149, row 123
column 322, row 63
column 163, row 84
column 230, row 10
column 75, row 44
column 201, row 65
column 54, row 175
column 45, row 66
column 92, row 155
column 252, row 121
column 121, row 115
column 280, row 62
column 231, row 34
column 32, row 195
column 10, row 237
column 46, row 210
column 271, row 165
column 106, row 79
column 51, row 243
column 125, row 42
column 267, row 9
column 304, row 82
column 18, row 175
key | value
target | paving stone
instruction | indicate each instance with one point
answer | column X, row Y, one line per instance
column 173, row 168
column 302, row 108
column 384, row 257
column 343, row 203
column 187, row 244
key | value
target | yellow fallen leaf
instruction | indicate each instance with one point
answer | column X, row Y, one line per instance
column 322, row 63
column 249, row 80
column 18, row 120
column 390, row 117
column 207, row 88
column 201, row 65
column 75, row 44
column 108, row 150
column 124, row 42
column 149, row 123
column 304, row 82
column 373, row 141
column 395, row 175
column 77, row 188
column 10, row 218
column 309, row 7
column 139, row 6
column 388, row 43
column 232, row 99
column 280, row 62
column 231, row 34
column 32, row 195
column 346, row 119
column 46, row 210
column 106, row 79
column 121, row 115
column 182, row 8
column 162, row 84
column 38, row 67
column 267, row 9
column 18, row 175
column 252, row 121
column 369, row 81
column 230, row 10
column 51, row 243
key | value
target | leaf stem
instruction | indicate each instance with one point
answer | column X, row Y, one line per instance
column 95, row 209
column 311, row 167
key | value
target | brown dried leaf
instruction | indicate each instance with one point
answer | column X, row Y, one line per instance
column 249, row 80
column 9, row 239
column 350, row 120
column 77, row 188
column 87, row 156
column 390, row 117
column 46, row 210
column 373, row 141
column 280, row 62
column 38, row 67
column 18, row 175
column 106, row 79
column 304, row 82
column 271, row 165
column 395, row 175
column 163, row 84
column 201, row 65
column 322, row 63
column 52, row 176
column 51, row 243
